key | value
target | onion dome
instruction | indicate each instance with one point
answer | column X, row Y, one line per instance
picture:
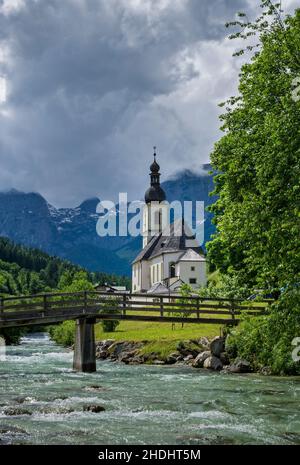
column 154, row 168
column 155, row 193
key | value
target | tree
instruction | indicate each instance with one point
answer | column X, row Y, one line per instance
column 258, row 182
column 269, row 340
column 185, row 292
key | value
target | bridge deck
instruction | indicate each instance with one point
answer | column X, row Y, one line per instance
column 44, row 309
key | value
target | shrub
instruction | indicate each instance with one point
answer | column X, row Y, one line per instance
column 64, row 333
column 13, row 335
column 221, row 285
column 267, row 340
column 110, row 307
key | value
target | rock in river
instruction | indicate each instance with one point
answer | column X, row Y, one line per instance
column 200, row 359
column 239, row 366
column 214, row 363
column 95, row 408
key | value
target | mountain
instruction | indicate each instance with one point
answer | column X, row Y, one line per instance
column 70, row 233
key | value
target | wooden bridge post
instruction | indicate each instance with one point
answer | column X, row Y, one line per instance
column 161, row 306
column 45, row 304
column 232, row 310
column 198, row 308
column 85, row 301
column 85, row 349
column 1, row 307
column 124, row 304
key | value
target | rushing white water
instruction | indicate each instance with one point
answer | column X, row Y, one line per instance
column 42, row 401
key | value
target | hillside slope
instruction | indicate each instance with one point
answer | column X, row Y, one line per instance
column 70, row 233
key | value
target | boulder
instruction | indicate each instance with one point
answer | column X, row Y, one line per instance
column 267, row 371
column 203, row 342
column 94, row 387
column 12, row 411
column 107, row 342
column 158, row 362
column 239, row 366
column 101, row 354
column 137, row 360
column 217, row 346
column 213, row 363
column 171, row 359
column 186, row 348
column 123, row 351
column 200, row 359
column 224, row 358
column 94, row 408
column 188, row 358
column 126, row 357
column 243, row 365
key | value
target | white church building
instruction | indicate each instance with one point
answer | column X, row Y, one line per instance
column 171, row 255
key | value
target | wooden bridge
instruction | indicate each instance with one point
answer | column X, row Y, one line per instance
column 88, row 307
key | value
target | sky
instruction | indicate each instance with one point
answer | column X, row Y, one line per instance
column 88, row 87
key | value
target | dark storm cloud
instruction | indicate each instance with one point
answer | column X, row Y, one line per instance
column 93, row 84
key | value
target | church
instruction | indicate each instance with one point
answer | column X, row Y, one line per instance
column 170, row 255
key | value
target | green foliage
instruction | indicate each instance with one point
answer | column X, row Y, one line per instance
column 267, row 340
column 112, row 279
column 257, row 212
column 185, row 291
column 79, row 282
column 110, row 307
column 29, row 271
column 227, row 286
column 64, row 333
column 13, row 335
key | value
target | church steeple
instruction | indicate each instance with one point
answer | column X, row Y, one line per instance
column 154, row 171
column 155, row 193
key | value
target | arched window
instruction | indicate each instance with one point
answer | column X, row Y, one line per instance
column 157, row 219
column 172, row 271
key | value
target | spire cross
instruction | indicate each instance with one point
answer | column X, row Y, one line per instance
column 154, row 148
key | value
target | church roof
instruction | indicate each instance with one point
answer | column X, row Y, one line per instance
column 155, row 193
column 173, row 239
column 158, row 288
column 191, row 255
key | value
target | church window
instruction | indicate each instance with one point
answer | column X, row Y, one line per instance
column 193, row 281
column 192, row 268
column 172, row 270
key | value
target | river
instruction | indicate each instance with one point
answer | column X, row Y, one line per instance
column 42, row 401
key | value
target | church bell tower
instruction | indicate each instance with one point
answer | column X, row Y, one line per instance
column 156, row 209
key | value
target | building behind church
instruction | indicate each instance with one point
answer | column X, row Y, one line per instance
column 171, row 255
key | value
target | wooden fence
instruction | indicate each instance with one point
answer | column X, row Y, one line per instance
column 57, row 307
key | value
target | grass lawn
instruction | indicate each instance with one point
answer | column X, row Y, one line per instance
column 160, row 336
column 152, row 331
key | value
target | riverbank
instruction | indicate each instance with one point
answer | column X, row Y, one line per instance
column 197, row 353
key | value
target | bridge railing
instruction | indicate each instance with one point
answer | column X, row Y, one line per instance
column 60, row 306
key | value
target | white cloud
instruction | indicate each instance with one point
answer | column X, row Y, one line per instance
column 11, row 6
column 93, row 85
column 2, row 90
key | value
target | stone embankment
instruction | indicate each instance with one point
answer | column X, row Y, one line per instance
column 200, row 353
